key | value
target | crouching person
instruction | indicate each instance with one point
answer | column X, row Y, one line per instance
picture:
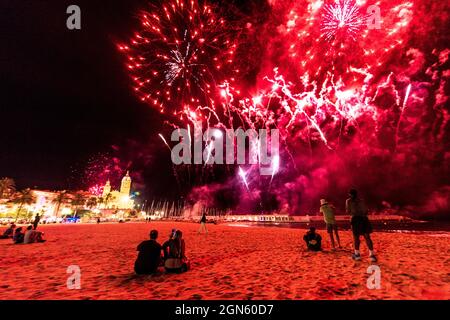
column 149, row 256
column 313, row 240
column 174, row 253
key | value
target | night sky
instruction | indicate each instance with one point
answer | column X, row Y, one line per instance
column 67, row 98
column 65, row 93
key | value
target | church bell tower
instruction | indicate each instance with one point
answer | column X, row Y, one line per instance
column 125, row 186
column 106, row 189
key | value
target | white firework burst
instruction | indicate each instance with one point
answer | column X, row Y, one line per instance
column 342, row 16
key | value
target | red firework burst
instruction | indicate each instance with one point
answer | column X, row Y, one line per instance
column 183, row 50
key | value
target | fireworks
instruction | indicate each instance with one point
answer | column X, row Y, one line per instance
column 338, row 91
column 182, row 51
column 342, row 17
column 164, row 140
column 275, row 166
column 242, row 174
column 99, row 169
column 96, row 190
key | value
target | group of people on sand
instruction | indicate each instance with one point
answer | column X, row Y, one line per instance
column 171, row 255
column 18, row 235
column 360, row 225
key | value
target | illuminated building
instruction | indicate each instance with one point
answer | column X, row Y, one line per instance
column 113, row 199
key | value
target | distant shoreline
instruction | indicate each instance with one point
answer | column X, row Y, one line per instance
column 379, row 225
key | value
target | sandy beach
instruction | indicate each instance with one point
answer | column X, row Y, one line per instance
column 231, row 262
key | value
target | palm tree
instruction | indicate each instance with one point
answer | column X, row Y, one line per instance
column 7, row 185
column 24, row 197
column 62, row 195
column 108, row 197
column 78, row 201
column 91, row 202
column 100, row 200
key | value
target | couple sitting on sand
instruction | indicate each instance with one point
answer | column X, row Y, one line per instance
column 360, row 224
column 29, row 236
column 173, row 257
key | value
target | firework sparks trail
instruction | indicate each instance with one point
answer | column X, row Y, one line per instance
column 329, row 103
column 405, row 101
column 408, row 90
column 242, row 174
column 165, row 141
column 275, row 167
column 209, row 149
column 175, row 173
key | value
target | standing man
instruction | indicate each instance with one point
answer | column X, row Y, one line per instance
column 361, row 226
column 36, row 221
column 328, row 216
column 203, row 224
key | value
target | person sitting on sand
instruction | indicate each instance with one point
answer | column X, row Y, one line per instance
column 313, row 240
column 166, row 245
column 327, row 210
column 9, row 233
column 32, row 236
column 175, row 252
column 149, row 256
column 18, row 235
column 360, row 223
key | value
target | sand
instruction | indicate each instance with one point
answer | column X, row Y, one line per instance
column 231, row 262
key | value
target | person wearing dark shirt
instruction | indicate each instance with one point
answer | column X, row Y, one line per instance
column 361, row 226
column 36, row 221
column 203, row 224
column 149, row 256
column 313, row 240
column 9, row 233
column 18, row 235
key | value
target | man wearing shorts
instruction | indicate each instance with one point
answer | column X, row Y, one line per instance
column 361, row 226
column 328, row 216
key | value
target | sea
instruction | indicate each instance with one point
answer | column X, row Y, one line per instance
column 378, row 225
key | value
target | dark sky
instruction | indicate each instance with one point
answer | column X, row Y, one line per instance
column 67, row 98
column 65, row 93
